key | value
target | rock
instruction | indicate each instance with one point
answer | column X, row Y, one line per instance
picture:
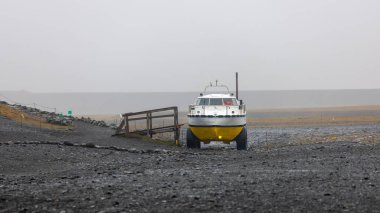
column 90, row 145
column 67, row 143
column 133, row 150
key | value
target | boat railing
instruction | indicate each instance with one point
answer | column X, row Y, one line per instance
column 216, row 86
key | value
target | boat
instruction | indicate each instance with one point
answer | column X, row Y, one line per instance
column 217, row 117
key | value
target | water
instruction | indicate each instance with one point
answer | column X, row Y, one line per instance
column 115, row 103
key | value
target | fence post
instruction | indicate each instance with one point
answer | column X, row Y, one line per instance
column 176, row 133
column 126, row 120
column 147, row 124
column 150, row 124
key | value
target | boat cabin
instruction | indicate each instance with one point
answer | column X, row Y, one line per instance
column 217, row 102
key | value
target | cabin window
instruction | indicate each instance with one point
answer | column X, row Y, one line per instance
column 229, row 101
column 203, row 101
column 216, row 101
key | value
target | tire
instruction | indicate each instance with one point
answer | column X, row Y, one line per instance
column 241, row 140
column 192, row 141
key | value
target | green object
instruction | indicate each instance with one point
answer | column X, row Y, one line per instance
column 70, row 112
column 60, row 115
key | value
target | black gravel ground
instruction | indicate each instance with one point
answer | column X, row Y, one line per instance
column 40, row 174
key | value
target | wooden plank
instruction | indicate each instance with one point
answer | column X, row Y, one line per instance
column 163, row 127
column 147, row 111
column 157, row 116
column 121, row 127
column 156, row 130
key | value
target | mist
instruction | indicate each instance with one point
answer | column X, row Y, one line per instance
column 178, row 46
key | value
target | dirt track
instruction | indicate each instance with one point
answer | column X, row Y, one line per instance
column 338, row 176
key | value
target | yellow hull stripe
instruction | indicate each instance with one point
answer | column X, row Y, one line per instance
column 225, row 134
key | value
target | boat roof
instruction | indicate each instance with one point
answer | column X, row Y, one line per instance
column 217, row 96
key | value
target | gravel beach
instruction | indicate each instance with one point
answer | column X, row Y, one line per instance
column 87, row 170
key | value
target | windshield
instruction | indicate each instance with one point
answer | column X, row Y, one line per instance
column 217, row 101
column 203, row 101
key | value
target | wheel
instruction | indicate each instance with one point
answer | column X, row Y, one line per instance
column 241, row 140
column 192, row 141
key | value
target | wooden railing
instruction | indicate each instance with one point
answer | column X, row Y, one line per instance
column 149, row 115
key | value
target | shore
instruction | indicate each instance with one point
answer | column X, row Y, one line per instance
column 87, row 170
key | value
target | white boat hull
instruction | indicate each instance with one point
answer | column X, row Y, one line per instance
column 213, row 121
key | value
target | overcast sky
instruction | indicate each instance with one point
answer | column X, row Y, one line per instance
column 181, row 45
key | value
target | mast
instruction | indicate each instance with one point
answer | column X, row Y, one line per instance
column 237, row 85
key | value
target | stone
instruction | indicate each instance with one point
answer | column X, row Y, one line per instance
column 90, row 145
column 67, row 143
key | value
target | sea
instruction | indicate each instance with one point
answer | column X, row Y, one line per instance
column 116, row 103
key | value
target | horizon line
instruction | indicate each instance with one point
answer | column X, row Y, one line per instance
column 107, row 92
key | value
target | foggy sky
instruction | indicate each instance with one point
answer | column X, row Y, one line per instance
column 160, row 45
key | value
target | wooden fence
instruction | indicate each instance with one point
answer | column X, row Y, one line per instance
column 149, row 115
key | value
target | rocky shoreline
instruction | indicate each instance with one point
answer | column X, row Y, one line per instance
column 55, row 118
